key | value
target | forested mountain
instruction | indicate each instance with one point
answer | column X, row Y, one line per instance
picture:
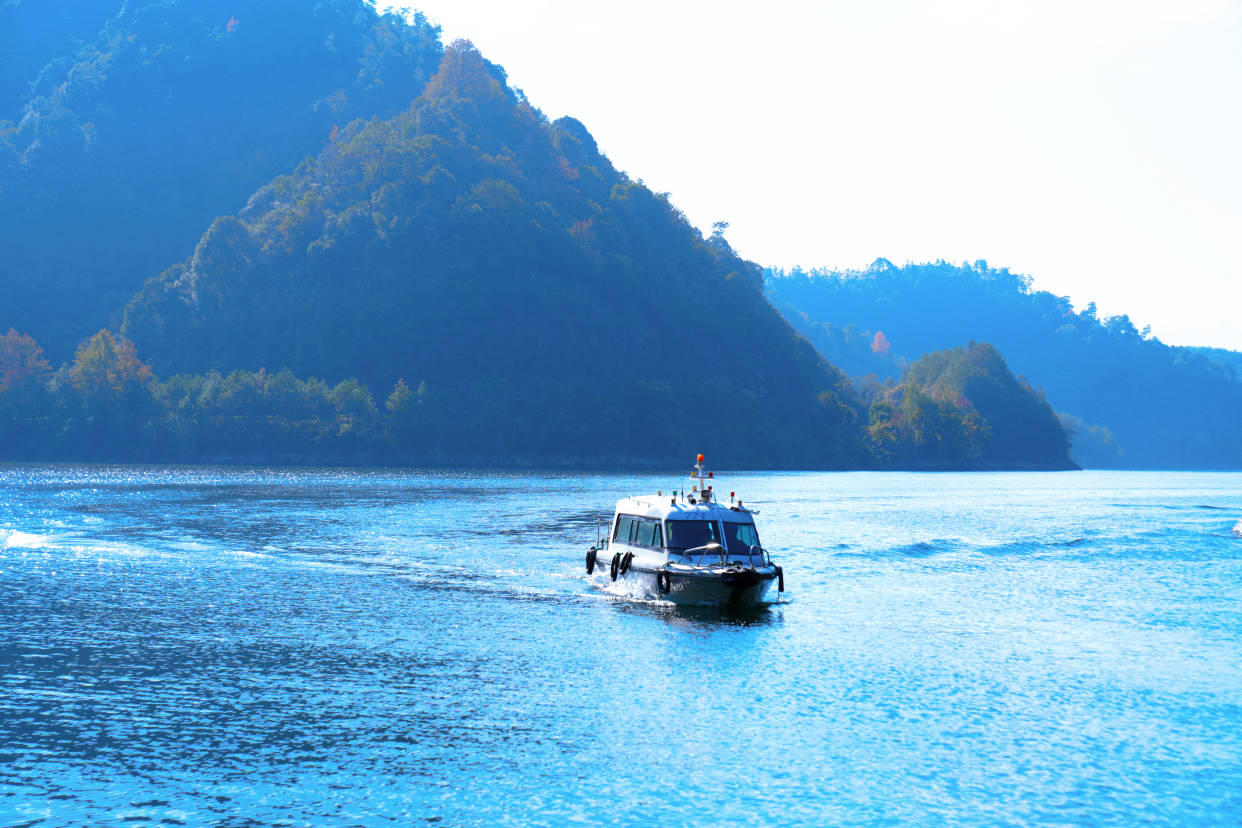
column 543, row 303
column 126, row 127
column 35, row 33
column 1138, row 402
column 403, row 262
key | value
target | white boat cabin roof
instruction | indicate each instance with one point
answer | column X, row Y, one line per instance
column 666, row 507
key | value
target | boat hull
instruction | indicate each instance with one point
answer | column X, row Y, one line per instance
column 691, row 586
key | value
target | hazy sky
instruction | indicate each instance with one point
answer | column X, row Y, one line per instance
column 1095, row 145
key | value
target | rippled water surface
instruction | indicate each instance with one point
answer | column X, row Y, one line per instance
column 276, row 647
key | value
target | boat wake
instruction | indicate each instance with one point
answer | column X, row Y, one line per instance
column 22, row 540
column 1237, row 530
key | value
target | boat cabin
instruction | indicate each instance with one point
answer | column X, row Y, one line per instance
column 676, row 525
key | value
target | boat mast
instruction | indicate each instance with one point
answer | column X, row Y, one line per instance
column 704, row 488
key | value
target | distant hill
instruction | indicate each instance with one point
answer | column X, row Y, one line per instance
column 1135, row 401
column 964, row 403
column 126, row 127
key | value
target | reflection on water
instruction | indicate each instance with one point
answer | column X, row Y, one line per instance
column 710, row 618
column 261, row 647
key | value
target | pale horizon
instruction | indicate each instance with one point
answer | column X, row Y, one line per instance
column 1091, row 146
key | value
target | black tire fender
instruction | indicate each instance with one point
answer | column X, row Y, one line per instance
column 664, row 582
column 616, row 563
column 780, row 579
column 625, row 563
column 590, row 560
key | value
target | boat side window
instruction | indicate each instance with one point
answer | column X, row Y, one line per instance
column 625, row 529
column 649, row 533
column 689, row 534
column 741, row 537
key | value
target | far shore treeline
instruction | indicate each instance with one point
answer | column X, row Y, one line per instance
column 108, row 406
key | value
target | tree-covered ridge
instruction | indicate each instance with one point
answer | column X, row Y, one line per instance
column 34, row 34
column 546, row 301
column 964, row 406
column 152, row 118
column 1231, row 360
column 1154, row 405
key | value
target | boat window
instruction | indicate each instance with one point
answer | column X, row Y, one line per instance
column 625, row 529
column 638, row 531
column 741, row 537
column 648, row 533
column 688, row 534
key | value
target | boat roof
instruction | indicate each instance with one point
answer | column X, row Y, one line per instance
column 666, row 507
column 701, row 504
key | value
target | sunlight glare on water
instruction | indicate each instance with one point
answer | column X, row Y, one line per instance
column 228, row 646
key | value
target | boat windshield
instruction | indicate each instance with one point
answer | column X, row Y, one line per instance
column 689, row 534
column 740, row 537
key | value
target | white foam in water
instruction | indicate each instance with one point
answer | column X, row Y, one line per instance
column 24, row 540
column 1237, row 530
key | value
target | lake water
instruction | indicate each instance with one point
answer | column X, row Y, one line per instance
column 299, row 647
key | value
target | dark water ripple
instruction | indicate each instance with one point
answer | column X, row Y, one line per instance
column 275, row 647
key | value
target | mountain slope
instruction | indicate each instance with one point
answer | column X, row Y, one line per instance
column 144, row 126
column 544, row 304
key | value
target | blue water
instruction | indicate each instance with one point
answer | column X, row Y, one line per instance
column 259, row 647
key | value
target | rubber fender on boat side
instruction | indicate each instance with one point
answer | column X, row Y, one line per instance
column 780, row 579
column 664, row 581
column 591, row 560
column 616, row 562
column 625, row 563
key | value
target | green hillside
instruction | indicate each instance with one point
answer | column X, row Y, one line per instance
column 546, row 304
column 126, row 128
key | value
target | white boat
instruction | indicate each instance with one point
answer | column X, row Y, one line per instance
column 685, row 548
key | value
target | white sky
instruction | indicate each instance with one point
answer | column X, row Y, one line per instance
column 1093, row 144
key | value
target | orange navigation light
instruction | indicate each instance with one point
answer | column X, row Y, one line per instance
column 700, row 459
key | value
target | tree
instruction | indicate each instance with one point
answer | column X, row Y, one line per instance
column 464, row 74
column 107, row 367
column 399, row 400
column 880, row 344
column 21, row 361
